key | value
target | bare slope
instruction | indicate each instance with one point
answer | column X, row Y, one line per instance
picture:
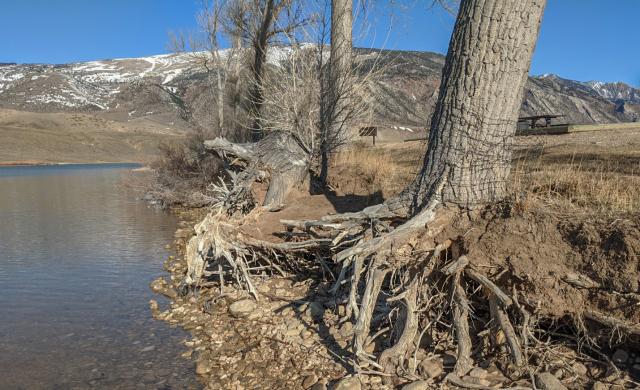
column 29, row 137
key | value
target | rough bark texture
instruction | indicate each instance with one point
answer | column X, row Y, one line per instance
column 482, row 85
column 339, row 68
column 256, row 98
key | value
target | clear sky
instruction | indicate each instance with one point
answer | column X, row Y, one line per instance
column 580, row 39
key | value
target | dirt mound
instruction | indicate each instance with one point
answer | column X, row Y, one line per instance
column 566, row 268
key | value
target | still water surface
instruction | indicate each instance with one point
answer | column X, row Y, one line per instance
column 77, row 253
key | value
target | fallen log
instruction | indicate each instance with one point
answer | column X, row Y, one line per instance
column 279, row 157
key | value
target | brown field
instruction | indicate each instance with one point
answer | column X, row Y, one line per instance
column 43, row 138
column 592, row 172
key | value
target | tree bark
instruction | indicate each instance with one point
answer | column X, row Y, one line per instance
column 221, row 84
column 256, row 98
column 339, row 69
column 475, row 117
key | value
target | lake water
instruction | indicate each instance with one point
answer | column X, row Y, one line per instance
column 77, row 253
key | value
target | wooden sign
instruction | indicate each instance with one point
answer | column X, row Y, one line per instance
column 369, row 131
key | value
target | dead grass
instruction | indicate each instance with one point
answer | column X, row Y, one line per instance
column 363, row 170
column 599, row 188
column 594, row 183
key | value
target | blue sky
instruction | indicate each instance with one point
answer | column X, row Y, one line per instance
column 580, row 39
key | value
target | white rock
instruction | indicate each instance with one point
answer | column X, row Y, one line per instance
column 478, row 372
column 242, row 308
column 348, row 383
column 418, row 385
column 547, row 381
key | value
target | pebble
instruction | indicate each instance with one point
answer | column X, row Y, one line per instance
column 242, row 308
column 148, row 349
column 369, row 348
column 579, row 368
column 321, row 385
column 347, row 329
column 309, row 381
column 448, row 359
column 418, row 385
column 547, row 381
column 478, row 373
column 599, row 386
column 315, row 310
column 431, row 368
column 476, row 381
column 620, row 356
column 348, row 383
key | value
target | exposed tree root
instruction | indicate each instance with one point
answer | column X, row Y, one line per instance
column 400, row 279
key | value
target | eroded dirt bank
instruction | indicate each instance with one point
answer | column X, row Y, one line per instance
column 579, row 276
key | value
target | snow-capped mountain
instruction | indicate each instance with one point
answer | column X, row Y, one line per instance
column 172, row 89
column 616, row 91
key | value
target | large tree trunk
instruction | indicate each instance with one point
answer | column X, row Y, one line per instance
column 339, row 69
column 475, row 117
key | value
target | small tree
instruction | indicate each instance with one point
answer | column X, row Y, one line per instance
column 206, row 49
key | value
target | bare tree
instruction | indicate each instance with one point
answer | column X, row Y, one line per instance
column 335, row 102
column 206, row 48
column 261, row 23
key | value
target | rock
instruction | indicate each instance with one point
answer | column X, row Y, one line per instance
column 431, row 368
column 620, row 356
column 347, row 329
column 242, row 308
column 599, row 386
column 203, row 366
column 478, row 373
column 369, row 348
column 309, row 381
column 321, row 385
column 580, row 369
column 448, row 359
column 148, row 349
column 475, row 381
column 547, row 381
column 418, row 385
column 348, row 383
column 315, row 310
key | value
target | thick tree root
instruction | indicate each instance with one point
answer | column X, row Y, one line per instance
column 399, row 282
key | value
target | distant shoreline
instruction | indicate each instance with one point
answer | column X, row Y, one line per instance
column 62, row 163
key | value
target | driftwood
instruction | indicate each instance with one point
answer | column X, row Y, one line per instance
column 278, row 157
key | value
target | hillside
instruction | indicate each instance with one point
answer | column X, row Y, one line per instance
column 127, row 105
column 37, row 138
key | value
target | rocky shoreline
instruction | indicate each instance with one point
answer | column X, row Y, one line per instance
column 292, row 338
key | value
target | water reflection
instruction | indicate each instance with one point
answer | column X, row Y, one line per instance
column 77, row 253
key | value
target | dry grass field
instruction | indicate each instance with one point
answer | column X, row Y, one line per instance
column 586, row 173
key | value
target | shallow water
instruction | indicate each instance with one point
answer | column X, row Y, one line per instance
column 77, row 253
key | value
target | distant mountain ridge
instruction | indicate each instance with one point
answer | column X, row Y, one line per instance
column 169, row 89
